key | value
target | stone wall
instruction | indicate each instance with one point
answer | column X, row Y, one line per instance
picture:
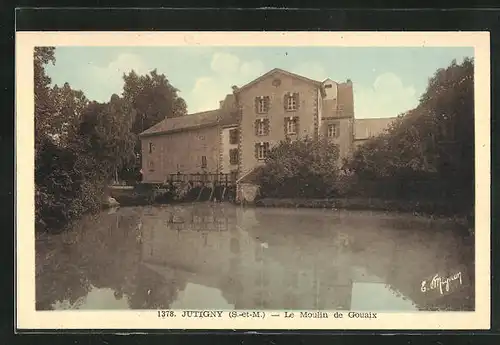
column 275, row 87
column 247, row 192
column 180, row 152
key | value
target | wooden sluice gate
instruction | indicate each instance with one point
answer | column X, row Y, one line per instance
column 202, row 187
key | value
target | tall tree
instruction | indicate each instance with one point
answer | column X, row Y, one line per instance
column 106, row 131
column 433, row 143
column 68, row 106
column 153, row 98
column 43, row 105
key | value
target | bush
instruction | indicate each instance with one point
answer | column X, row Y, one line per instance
column 302, row 168
column 428, row 153
column 64, row 189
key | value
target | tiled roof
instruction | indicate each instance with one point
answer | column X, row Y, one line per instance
column 251, row 176
column 224, row 116
column 366, row 128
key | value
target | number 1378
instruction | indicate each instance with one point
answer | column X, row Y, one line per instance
column 165, row 313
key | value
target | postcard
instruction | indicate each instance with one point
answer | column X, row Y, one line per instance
column 253, row 180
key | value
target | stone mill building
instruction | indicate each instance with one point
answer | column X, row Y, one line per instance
column 235, row 138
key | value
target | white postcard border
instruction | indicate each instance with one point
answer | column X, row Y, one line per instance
column 29, row 318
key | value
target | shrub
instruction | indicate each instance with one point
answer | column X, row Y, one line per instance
column 301, row 168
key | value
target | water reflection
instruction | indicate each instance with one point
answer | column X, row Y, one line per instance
column 104, row 298
column 220, row 256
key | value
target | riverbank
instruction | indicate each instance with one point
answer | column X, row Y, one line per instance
column 427, row 207
column 143, row 194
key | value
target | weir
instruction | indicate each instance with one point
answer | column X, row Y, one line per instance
column 202, row 186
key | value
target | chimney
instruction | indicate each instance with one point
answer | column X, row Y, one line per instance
column 235, row 88
column 220, row 104
column 348, row 82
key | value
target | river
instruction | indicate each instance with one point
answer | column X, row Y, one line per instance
column 222, row 256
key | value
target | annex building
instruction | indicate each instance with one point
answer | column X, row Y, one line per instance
column 236, row 137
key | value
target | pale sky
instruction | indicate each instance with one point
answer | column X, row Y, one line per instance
column 386, row 81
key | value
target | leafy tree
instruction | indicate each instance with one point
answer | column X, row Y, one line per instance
column 300, row 168
column 68, row 106
column 79, row 146
column 429, row 151
column 43, row 105
column 153, row 98
column 106, row 132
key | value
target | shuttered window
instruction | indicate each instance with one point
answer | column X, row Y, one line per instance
column 261, row 150
column 233, row 136
column 291, row 125
column 233, row 156
column 262, row 104
column 261, row 127
column 291, row 101
column 333, row 130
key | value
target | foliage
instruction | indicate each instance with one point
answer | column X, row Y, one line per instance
column 79, row 146
column 428, row 151
column 68, row 184
column 106, row 133
column 300, row 168
column 43, row 106
column 152, row 99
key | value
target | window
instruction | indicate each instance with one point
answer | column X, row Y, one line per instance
column 291, row 126
column 233, row 156
column 333, row 131
column 203, row 162
column 233, row 136
column 328, row 86
column 292, row 104
column 291, row 101
column 151, row 147
column 262, row 104
column 151, row 166
column 262, row 127
column 261, row 150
